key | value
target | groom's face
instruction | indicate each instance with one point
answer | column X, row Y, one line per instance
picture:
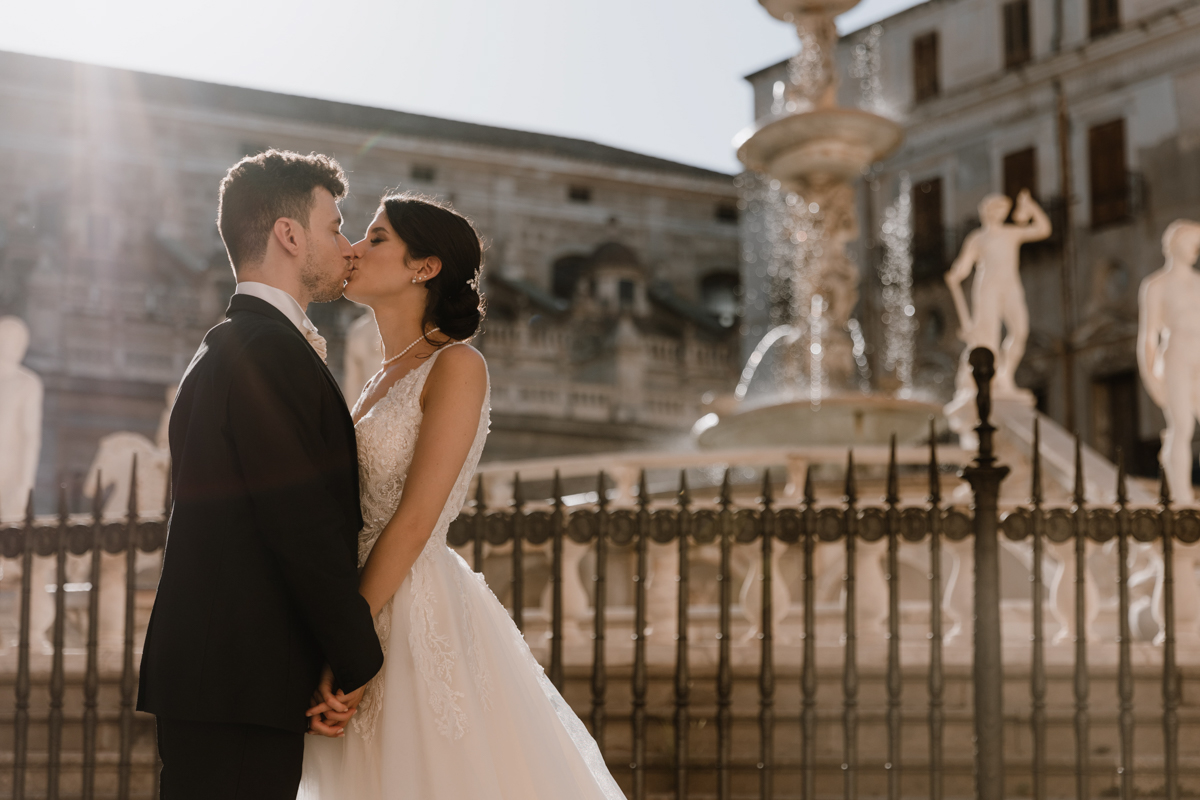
column 327, row 257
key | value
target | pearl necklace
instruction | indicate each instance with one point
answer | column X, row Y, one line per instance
column 404, row 352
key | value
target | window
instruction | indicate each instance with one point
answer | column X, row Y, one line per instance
column 1104, row 16
column 727, row 212
column 1020, row 172
column 423, row 173
column 565, row 274
column 625, row 293
column 1016, row 34
column 925, row 66
column 719, row 292
column 928, row 242
column 1109, row 177
column 579, row 194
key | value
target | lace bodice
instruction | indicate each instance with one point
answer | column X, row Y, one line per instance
column 387, row 436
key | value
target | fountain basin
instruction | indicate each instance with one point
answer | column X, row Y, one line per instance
column 788, row 10
column 847, row 420
column 827, row 145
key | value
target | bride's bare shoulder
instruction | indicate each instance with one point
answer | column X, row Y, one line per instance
column 459, row 367
column 462, row 357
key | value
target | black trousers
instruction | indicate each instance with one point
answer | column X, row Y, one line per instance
column 209, row 760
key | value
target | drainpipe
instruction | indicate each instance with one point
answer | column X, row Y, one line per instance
column 1056, row 30
column 1067, row 275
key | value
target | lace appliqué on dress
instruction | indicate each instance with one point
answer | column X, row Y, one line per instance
column 386, row 438
column 372, row 701
column 483, row 684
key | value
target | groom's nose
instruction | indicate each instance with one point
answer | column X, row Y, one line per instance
column 345, row 246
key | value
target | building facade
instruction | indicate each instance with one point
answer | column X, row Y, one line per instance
column 1092, row 105
column 611, row 274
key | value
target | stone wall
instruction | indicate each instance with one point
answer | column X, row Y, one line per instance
column 109, row 248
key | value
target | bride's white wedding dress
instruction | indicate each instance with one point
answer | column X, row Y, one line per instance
column 461, row 709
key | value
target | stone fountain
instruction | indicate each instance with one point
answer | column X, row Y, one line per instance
column 815, row 150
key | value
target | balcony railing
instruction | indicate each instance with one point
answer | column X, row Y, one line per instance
column 711, row 698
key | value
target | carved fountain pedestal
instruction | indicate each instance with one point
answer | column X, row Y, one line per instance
column 817, row 150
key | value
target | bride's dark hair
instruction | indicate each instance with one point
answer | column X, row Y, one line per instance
column 455, row 304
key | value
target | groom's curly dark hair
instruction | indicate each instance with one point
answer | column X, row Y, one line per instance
column 258, row 190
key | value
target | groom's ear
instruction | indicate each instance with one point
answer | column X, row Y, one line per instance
column 288, row 234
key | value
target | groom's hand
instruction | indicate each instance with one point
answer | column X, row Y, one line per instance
column 332, row 710
column 329, row 714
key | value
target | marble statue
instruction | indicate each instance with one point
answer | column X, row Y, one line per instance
column 363, row 356
column 113, row 466
column 20, row 420
column 1168, row 349
column 20, row 446
column 997, row 295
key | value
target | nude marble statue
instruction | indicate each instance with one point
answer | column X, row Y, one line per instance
column 1168, row 349
column 997, row 296
column 20, row 419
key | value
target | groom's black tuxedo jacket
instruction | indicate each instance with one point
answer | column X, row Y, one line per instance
column 259, row 584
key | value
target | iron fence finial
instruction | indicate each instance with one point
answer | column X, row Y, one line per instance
column 935, row 482
column 1164, row 489
column 851, row 489
column 893, row 475
column 983, row 369
column 726, row 498
column 518, row 492
column 1079, row 495
column 1035, row 489
column 1122, row 490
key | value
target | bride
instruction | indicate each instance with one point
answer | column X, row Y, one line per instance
column 460, row 709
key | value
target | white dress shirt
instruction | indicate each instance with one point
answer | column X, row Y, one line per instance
column 289, row 307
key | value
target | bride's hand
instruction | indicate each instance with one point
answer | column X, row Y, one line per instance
column 352, row 699
column 330, row 712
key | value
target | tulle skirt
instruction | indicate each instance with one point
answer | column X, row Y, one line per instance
column 520, row 740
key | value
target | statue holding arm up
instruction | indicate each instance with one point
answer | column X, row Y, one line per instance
column 1168, row 349
column 997, row 296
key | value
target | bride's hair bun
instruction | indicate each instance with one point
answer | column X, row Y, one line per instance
column 429, row 228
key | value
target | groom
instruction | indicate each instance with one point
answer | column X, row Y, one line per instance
column 259, row 585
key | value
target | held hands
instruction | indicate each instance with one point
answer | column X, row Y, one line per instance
column 332, row 710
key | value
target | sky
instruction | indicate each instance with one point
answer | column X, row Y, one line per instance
column 662, row 77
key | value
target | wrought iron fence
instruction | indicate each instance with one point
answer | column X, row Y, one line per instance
column 57, row 541
column 684, row 525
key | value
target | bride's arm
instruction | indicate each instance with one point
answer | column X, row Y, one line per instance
column 453, row 399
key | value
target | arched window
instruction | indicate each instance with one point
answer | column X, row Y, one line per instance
column 719, row 291
column 565, row 274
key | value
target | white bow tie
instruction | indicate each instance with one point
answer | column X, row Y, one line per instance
column 317, row 341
